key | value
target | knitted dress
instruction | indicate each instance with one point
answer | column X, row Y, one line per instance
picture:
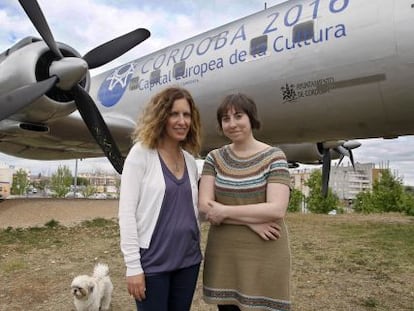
column 240, row 268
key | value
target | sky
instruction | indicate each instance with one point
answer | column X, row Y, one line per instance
column 89, row 23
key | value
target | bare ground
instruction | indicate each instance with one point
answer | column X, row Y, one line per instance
column 335, row 268
column 21, row 213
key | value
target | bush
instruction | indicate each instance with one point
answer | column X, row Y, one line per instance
column 295, row 201
column 387, row 195
column 316, row 203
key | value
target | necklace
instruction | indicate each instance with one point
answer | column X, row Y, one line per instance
column 176, row 160
column 177, row 164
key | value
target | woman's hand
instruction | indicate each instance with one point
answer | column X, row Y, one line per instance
column 267, row 231
column 216, row 212
column 136, row 286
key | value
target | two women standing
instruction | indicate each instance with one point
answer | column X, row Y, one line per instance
column 243, row 192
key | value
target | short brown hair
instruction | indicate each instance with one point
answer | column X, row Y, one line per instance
column 240, row 102
column 151, row 124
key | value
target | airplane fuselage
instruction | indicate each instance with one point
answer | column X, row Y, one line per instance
column 351, row 79
column 318, row 70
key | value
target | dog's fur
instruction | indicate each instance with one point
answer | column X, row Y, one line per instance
column 93, row 293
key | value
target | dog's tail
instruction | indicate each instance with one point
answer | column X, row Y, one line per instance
column 101, row 270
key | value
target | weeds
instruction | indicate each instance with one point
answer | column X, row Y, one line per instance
column 97, row 223
column 52, row 224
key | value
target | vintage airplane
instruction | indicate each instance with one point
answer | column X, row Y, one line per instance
column 322, row 72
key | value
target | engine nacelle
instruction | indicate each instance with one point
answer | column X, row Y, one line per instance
column 28, row 62
column 23, row 128
column 306, row 153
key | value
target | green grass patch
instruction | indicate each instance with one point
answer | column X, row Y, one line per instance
column 97, row 223
column 13, row 266
column 392, row 244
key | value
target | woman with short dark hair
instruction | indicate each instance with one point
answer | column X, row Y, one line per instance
column 244, row 193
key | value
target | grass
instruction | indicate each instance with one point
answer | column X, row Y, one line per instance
column 343, row 262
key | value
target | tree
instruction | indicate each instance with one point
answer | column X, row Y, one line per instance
column 364, row 203
column 40, row 182
column 315, row 202
column 295, row 201
column 61, row 181
column 388, row 195
column 20, row 182
column 43, row 184
column 408, row 202
column 81, row 181
column 118, row 186
column 88, row 191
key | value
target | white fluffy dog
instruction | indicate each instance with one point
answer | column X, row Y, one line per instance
column 93, row 293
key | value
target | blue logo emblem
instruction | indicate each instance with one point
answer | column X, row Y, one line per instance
column 114, row 86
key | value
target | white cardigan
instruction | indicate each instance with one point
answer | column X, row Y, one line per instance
column 141, row 197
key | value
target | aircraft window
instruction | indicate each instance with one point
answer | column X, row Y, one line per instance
column 179, row 69
column 155, row 76
column 134, row 83
column 303, row 31
column 258, row 45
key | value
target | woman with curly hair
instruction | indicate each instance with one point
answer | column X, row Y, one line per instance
column 158, row 218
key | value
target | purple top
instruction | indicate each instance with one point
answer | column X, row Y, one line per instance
column 175, row 243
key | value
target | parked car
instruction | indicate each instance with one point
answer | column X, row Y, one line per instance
column 74, row 195
column 101, row 196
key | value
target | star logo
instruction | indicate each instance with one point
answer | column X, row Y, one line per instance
column 115, row 84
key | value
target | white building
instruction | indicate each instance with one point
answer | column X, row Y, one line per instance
column 344, row 181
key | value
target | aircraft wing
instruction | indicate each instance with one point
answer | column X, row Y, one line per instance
column 64, row 138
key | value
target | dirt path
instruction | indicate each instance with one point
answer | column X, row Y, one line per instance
column 20, row 213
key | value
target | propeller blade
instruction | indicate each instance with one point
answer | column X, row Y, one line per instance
column 326, row 168
column 342, row 151
column 340, row 160
column 112, row 49
column 97, row 127
column 19, row 98
column 351, row 157
column 33, row 11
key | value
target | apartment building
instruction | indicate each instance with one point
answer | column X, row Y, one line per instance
column 345, row 181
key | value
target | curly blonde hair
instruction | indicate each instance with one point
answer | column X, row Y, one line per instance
column 151, row 124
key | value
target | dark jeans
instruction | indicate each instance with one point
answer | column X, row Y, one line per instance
column 170, row 291
column 228, row 308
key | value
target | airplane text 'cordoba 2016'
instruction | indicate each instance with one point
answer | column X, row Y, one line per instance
column 322, row 72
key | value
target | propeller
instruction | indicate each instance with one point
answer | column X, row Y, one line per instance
column 346, row 151
column 66, row 73
column 344, row 148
